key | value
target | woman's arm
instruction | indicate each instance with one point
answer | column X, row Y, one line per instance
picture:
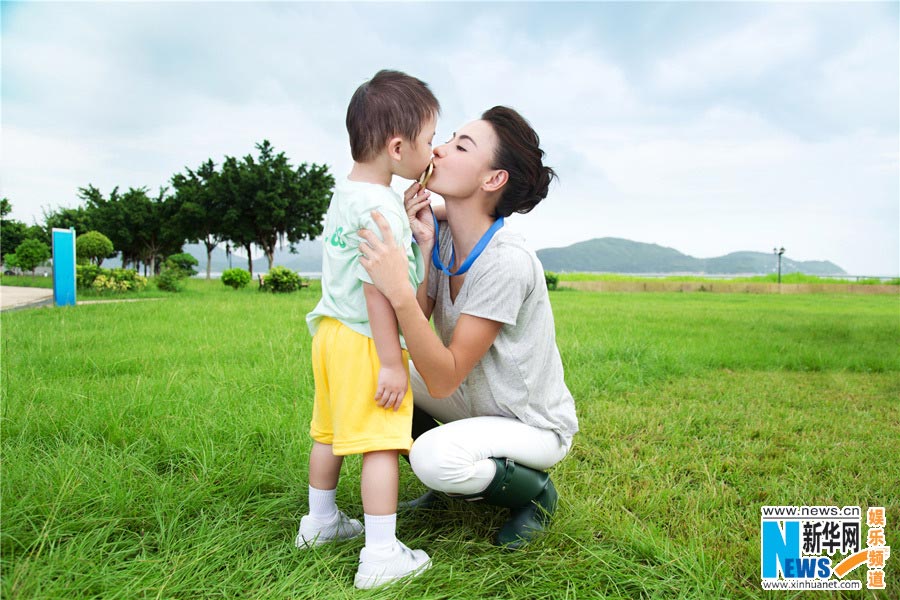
column 442, row 368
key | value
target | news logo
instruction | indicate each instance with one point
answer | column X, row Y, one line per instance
column 815, row 547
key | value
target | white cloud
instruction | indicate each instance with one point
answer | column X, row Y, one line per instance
column 658, row 148
column 737, row 56
column 863, row 83
column 43, row 168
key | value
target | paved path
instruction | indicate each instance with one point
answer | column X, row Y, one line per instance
column 21, row 297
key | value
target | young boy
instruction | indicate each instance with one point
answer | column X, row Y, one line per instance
column 363, row 402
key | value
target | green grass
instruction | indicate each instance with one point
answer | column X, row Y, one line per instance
column 771, row 278
column 159, row 449
column 27, row 281
column 192, row 287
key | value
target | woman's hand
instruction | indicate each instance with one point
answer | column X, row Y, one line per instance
column 418, row 208
column 385, row 262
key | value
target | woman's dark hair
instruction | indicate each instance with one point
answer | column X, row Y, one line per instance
column 519, row 154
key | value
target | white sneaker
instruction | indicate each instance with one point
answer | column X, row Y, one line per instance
column 314, row 532
column 382, row 566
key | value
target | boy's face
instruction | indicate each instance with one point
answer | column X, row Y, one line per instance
column 417, row 156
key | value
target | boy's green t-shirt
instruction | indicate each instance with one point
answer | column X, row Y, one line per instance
column 342, row 275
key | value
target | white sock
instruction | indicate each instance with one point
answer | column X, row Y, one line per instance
column 322, row 504
column 381, row 530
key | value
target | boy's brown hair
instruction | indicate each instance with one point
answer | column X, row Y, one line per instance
column 391, row 103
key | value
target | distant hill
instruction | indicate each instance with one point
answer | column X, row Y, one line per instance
column 615, row 255
column 604, row 255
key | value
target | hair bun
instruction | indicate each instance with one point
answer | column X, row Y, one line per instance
column 519, row 154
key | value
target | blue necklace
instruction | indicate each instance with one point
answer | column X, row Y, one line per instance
column 476, row 251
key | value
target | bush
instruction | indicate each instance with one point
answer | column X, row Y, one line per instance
column 128, row 280
column 552, row 279
column 86, row 274
column 31, row 254
column 10, row 262
column 93, row 247
column 281, row 279
column 170, row 280
column 236, row 278
column 176, row 268
column 184, row 262
column 108, row 280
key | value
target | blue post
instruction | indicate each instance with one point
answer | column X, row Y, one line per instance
column 64, row 267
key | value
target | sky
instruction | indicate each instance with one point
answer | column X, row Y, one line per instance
column 705, row 127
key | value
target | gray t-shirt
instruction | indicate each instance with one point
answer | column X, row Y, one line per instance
column 521, row 375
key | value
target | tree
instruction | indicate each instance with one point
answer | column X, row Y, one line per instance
column 30, row 254
column 80, row 219
column 141, row 227
column 236, row 192
column 151, row 219
column 12, row 232
column 10, row 261
column 293, row 200
column 111, row 217
column 271, row 203
column 201, row 211
column 93, row 247
column 184, row 262
column 37, row 232
column 310, row 203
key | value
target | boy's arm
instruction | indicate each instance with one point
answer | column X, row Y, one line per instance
column 392, row 378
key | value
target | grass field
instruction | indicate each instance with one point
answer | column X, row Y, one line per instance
column 788, row 278
column 158, row 449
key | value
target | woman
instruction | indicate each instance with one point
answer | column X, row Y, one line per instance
column 491, row 373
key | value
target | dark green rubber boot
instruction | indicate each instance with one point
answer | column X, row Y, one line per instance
column 530, row 496
column 427, row 501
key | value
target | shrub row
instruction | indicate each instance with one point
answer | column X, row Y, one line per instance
column 277, row 280
column 91, row 276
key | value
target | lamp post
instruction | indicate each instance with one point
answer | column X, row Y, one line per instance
column 779, row 252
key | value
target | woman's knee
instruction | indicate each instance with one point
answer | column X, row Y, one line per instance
column 423, row 460
column 438, row 461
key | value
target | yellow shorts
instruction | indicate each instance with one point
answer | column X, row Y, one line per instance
column 345, row 415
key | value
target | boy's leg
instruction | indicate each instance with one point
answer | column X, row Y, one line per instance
column 324, row 467
column 325, row 523
column 324, row 472
column 380, row 477
column 384, row 559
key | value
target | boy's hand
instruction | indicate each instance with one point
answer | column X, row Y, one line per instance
column 392, row 384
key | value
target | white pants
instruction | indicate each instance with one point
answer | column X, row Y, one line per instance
column 455, row 457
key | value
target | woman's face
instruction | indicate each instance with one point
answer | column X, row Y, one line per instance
column 462, row 164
